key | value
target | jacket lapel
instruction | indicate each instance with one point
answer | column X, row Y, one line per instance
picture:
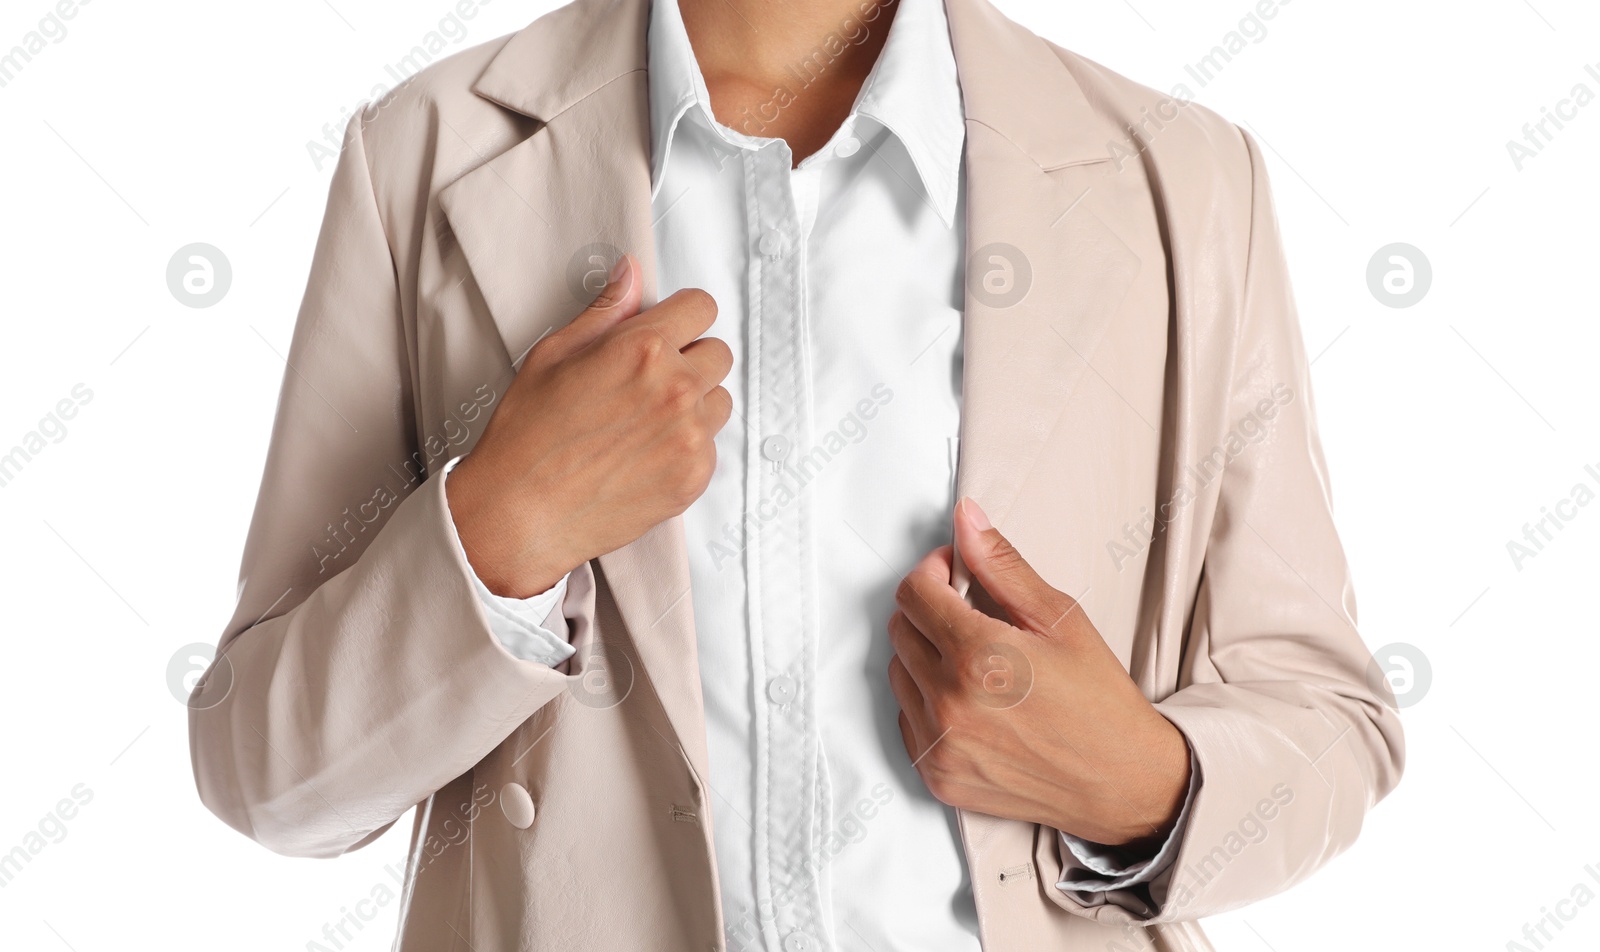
column 576, row 186
column 1046, row 274
column 537, row 223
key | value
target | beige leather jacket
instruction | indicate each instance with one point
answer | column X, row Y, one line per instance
column 1139, row 422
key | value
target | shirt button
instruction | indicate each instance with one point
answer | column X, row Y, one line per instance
column 771, row 243
column 775, row 448
column 781, row 690
column 800, row 942
column 847, row 147
column 517, row 805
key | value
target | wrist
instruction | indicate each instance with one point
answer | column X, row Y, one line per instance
column 511, row 556
column 1147, row 799
column 1164, row 788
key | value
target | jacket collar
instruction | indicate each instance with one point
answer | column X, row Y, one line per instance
column 565, row 56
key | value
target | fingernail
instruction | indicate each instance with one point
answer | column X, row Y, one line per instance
column 618, row 270
column 975, row 515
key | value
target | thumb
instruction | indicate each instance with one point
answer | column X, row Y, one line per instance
column 1002, row 571
column 616, row 302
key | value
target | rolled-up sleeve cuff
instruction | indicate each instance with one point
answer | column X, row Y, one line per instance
column 1089, row 869
column 521, row 625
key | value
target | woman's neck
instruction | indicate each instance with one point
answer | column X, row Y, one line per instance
column 786, row 70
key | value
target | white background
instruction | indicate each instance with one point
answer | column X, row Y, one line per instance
column 1448, row 425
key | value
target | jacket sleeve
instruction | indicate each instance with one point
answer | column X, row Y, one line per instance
column 1294, row 736
column 358, row 674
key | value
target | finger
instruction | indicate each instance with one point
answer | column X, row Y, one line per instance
column 909, row 697
column 937, row 562
column 908, row 737
column 616, row 302
column 716, row 407
column 996, row 564
column 683, row 316
column 914, row 650
column 926, row 598
column 711, row 359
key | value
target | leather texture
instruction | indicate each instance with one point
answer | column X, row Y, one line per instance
column 358, row 677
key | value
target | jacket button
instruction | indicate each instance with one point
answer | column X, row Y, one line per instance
column 517, row 804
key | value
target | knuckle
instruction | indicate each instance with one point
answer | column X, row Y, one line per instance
column 687, row 445
column 1005, row 556
column 938, row 772
column 727, row 406
column 723, row 401
column 703, row 471
column 905, row 593
column 966, row 659
column 681, row 495
column 680, row 391
column 694, row 460
column 948, row 713
column 892, row 626
column 653, row 345
column 691, row 482
column 702, row 451
column 645, row 346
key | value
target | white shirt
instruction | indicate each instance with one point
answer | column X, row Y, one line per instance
column 839, row 286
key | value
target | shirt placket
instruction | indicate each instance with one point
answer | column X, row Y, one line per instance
column 782, row 620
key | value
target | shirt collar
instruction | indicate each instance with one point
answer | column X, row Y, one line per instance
column 912, row 91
